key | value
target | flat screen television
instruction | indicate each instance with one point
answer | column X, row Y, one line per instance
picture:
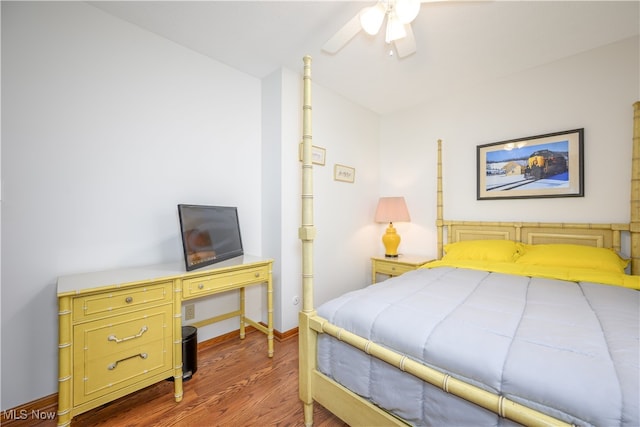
column 210, row 234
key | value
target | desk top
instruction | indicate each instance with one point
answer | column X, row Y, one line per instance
column 78, row 283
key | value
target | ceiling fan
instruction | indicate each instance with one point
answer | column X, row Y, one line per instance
column 398, row 13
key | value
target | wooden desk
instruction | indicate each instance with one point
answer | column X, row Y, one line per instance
column 121, row 330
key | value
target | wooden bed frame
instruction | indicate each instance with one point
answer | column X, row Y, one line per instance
column 354, row 410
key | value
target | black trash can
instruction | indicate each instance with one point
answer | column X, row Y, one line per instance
column 189, row 351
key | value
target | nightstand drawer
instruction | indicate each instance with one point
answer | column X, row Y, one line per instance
column 114, row 353
column 204, row 285
column 120, row 301
column 393, row 268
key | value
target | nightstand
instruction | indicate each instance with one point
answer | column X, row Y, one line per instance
column 395, row 266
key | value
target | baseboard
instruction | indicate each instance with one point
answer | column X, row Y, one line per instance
column 282, row 336
column 46, row 407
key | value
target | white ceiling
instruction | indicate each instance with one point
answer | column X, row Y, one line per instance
column 459, row 44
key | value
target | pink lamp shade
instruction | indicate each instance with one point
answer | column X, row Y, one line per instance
column 392, row 209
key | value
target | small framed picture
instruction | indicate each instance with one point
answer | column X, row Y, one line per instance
column 318, row 155
column 344, row 173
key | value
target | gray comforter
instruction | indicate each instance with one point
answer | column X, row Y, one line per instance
column 570, row 350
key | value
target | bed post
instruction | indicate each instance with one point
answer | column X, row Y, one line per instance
column 306, row 232
column 439, row 217
column 635, row 192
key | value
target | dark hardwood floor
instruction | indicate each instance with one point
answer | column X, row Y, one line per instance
column 236, row 385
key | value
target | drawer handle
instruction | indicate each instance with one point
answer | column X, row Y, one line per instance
column 114, row 365
column 257, row 274
column 393, row 269
column 118, row 340
column 200, row 286
column 128, row 300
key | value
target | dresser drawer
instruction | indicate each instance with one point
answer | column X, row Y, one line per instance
column 120, row 301
column 392, row 268
column 206, row 284
column 110, row 354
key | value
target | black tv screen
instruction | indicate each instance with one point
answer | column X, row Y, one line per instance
column 210, row 234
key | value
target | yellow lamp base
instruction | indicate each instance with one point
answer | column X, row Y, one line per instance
column 391, row 241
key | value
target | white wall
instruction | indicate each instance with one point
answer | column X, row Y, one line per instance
column 105, row 129
column 594, row 90
column 272, row 148
column 343, row 211
column 346, row 237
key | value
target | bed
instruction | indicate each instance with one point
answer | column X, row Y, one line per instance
column 515, row 323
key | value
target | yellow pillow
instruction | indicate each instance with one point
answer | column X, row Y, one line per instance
column 482, row 250
column 577, row 256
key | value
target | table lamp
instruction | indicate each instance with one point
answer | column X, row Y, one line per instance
column 391, row 209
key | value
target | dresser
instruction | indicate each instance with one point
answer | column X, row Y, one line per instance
column 121, row 330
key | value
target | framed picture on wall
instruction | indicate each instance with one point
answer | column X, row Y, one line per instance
column 550, row 165
column 318, row 154
column 344, row 173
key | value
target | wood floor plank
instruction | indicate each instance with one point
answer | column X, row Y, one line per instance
column 236, row 385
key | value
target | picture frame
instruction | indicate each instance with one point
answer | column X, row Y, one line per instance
column 549, row 165
column 344, row 173
column 318, row 155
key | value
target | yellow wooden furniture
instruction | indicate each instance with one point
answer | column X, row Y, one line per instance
column 395, row 266
column 314, row 386
column 120, row 330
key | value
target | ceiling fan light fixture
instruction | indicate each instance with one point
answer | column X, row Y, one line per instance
column 398, row 34
column 371, row 18
column 395, row 29
column 407, row 10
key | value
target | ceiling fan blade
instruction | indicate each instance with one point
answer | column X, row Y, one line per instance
column 342, row 37
column 407, row 45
